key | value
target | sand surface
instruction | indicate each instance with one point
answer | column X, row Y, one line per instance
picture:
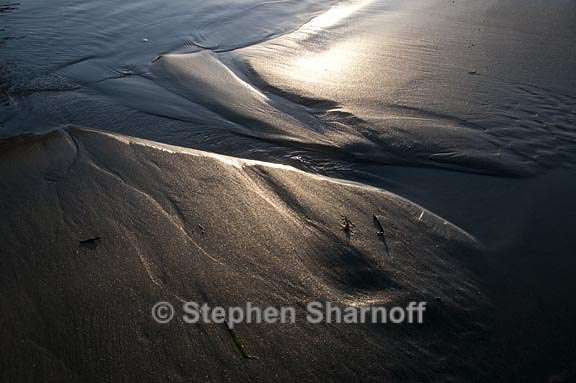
column 209, row 151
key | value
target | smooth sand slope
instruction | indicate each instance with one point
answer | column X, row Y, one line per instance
column 184, row 225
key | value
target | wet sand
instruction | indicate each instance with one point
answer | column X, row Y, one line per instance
column 167, row 156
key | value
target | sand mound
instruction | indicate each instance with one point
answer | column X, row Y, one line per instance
column 100, row 227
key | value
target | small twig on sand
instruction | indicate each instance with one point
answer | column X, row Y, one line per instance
column 239, row 344
column 90, row 243
column 381, row 233
column 347, row 226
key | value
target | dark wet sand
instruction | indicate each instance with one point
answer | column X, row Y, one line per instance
column 453, row 122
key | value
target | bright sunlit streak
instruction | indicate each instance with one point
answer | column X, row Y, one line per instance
column 333, row 16
column 335, row 61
